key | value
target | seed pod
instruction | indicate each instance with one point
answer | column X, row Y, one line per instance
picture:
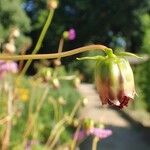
column 114, row 81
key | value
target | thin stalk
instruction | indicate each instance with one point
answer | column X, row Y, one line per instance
column 40, row 40
column 61, row 45
column 73, row 144
column 60, row 111
column 53, row 102
column 55, row 130
column 6, row 138
column 23, row 52
column 4, row 120
column 76, row 107
column 33, row 118
column 51, row 146
column 94, row 144
column 55, row 55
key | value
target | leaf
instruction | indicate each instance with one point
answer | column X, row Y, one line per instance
column 92, row 58
column 128, row 54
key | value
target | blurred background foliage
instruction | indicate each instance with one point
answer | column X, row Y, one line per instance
column 122, row 25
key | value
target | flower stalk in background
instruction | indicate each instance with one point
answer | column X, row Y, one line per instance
column 7, row 67
column 67, row 35
column 89, row 129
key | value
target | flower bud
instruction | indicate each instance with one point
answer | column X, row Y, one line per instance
column 88, row 124
column 115, row 81
column 77, row 82
column 70, row 34
column 52, row 4
column 56, row 83
column 15, row 32
column 46, row 74
column 9, row 48
column 85, row 101
column 57, row 62
column 61, row 101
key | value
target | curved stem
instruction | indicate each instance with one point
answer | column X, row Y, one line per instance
column 55, row 55
column 55, row 130
column 40, row 40
column 76, row 107
column 56, row 138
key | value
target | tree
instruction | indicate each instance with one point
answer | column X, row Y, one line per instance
column 13, row 14
column 96, row 21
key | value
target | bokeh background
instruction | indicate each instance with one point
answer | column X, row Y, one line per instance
column 121, row 25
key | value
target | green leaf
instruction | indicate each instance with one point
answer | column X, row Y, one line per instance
column 128, row 54
column 92, row 58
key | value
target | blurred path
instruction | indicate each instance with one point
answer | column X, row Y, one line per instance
column 128, row 134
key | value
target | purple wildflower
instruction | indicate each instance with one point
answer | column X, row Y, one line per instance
column 7, row 66
column 30, row 143
column 98, row 132
column 102, row 133
column 72, row 34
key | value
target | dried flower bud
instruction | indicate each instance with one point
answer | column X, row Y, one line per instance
column 61, row 101
column 56, row 83
column 52, row 4
column 85, row 101
column 75, row 122
column 46, row 74
column 57, row 62
column 77, row 82
column 15, row 33
column 9, row 48
column 115, row 81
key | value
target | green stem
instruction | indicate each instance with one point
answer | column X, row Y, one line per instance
column 32, row 119
column 51, row 146
column 53, row 102
column 76, row 107
column 51, row 56
column 94, row 144
column 40, row 40
column 55, row 130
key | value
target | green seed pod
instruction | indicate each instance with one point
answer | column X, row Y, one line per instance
column 114, row 81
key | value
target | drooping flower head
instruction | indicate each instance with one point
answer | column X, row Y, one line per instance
column 114, row 79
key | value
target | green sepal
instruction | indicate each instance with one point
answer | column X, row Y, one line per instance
column 128, row 54
column 91, row 58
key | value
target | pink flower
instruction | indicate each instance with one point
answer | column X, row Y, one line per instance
column 7, row 66
column 102, row 133
column 72, row 34
column 98, row 132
